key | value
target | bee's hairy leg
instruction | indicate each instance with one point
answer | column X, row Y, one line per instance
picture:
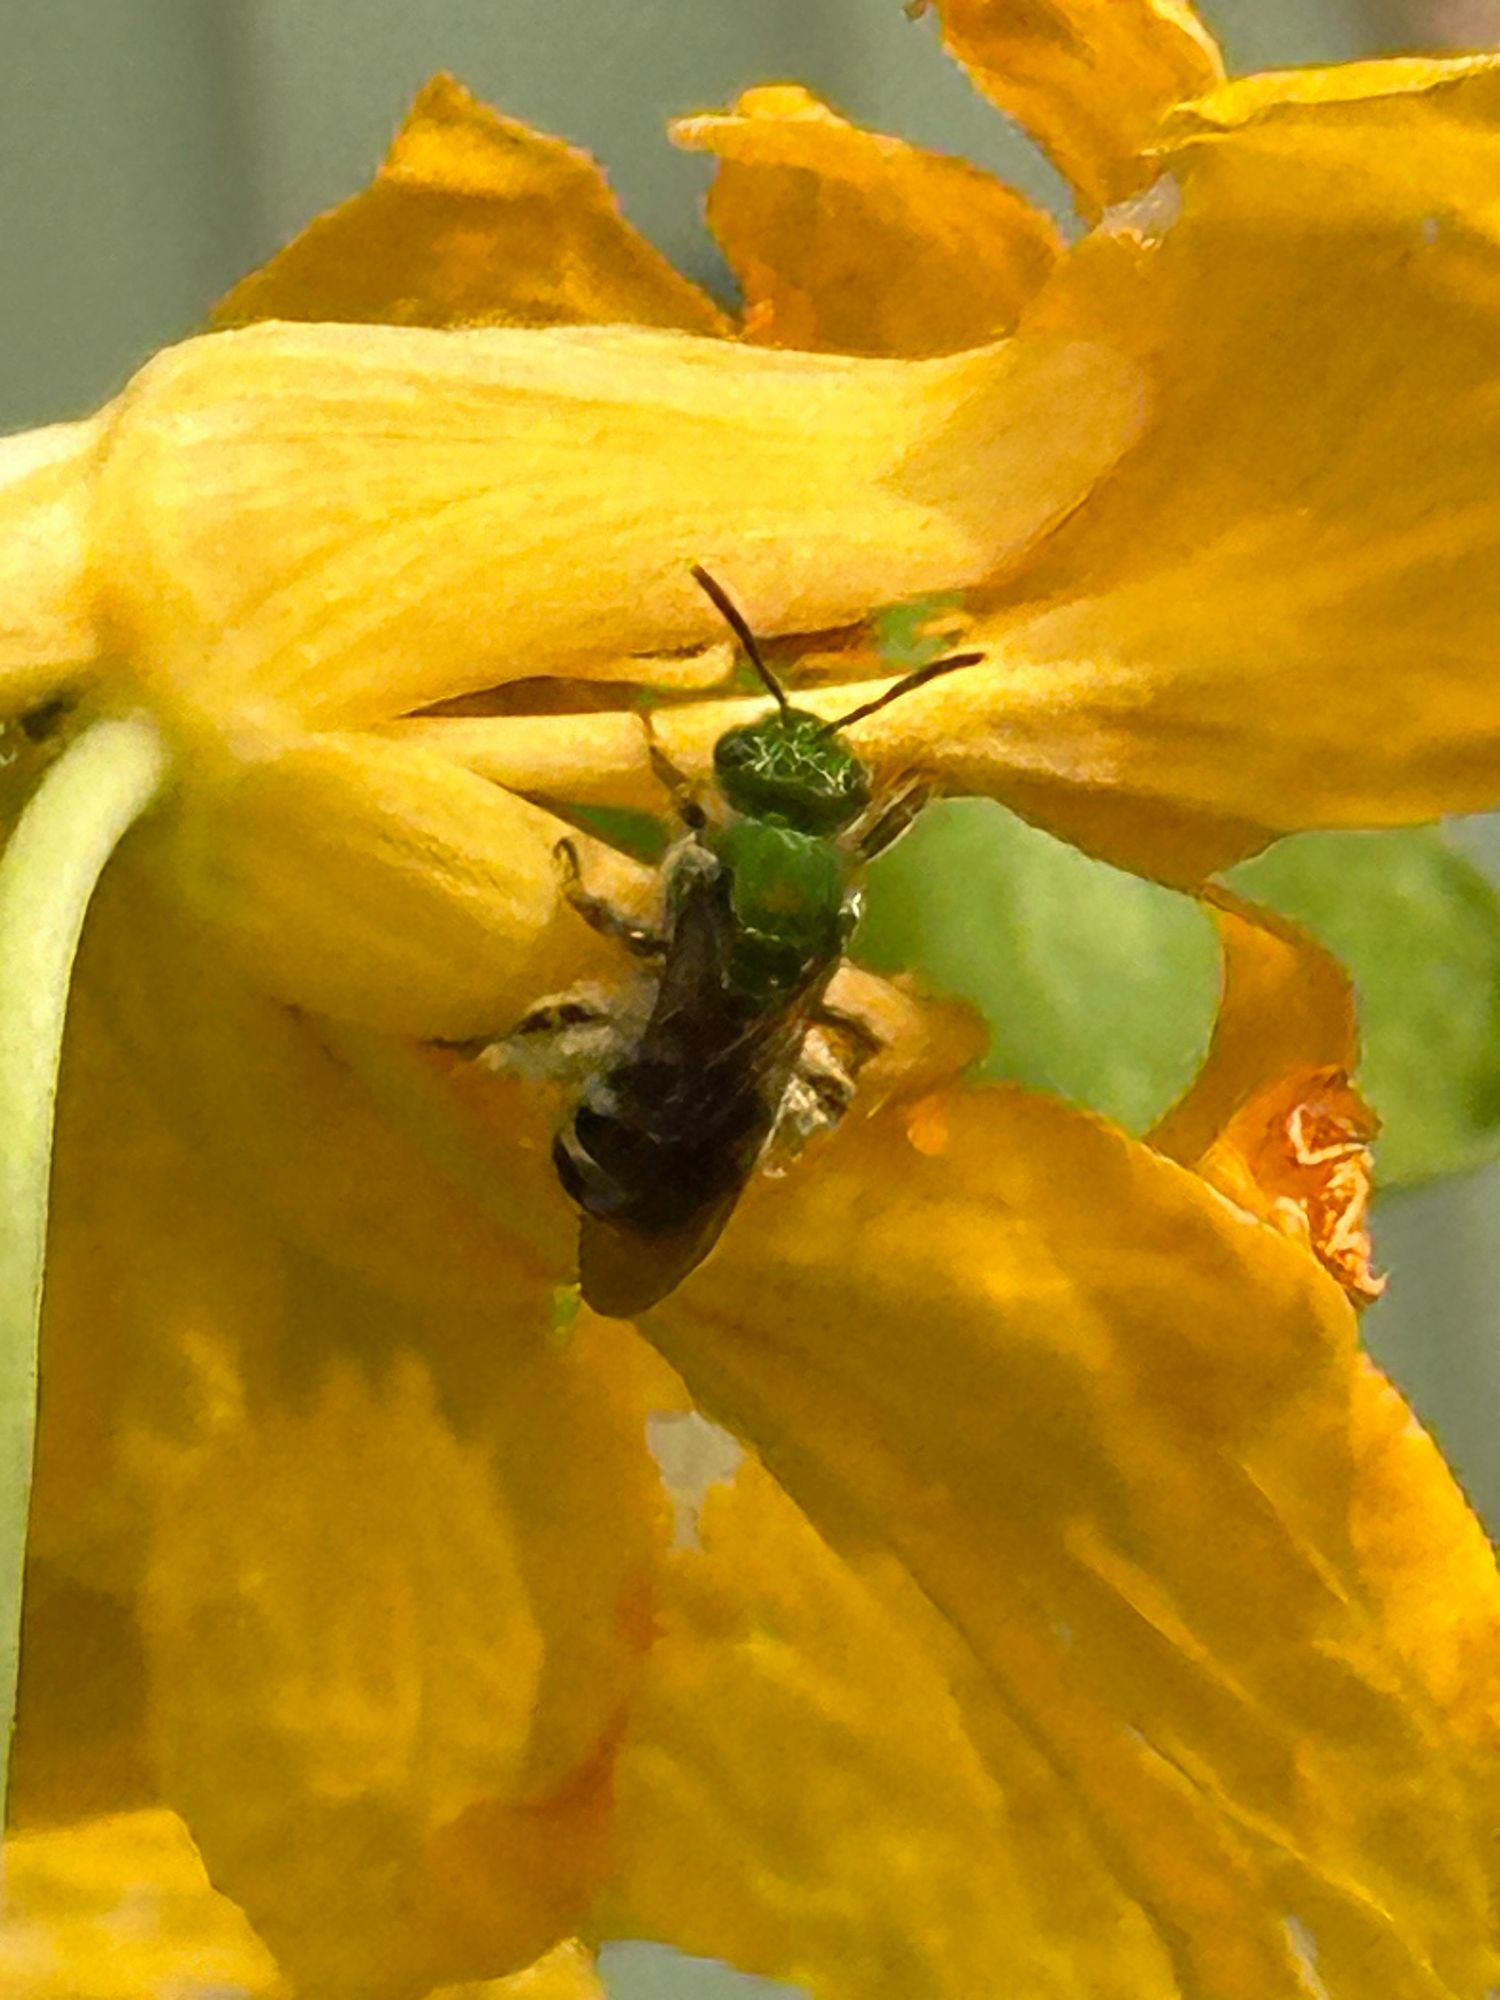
column 677, row 784
column 644, row 940
column 883, row 822
column 864, row 1040
column 556, row 1016
column 565, row 1038
column 819, row 1090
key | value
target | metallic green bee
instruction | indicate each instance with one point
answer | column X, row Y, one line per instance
column 684, row 1094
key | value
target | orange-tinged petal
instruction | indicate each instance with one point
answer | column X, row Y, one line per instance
column 799, row 1795
column 397, row 1600
column 474, row 220
column 1112, row 1427
column 340, row 524
column 48, row 632
column 1090, row 80
column 858, row 243
column 119, row 1908
column 1280, row 613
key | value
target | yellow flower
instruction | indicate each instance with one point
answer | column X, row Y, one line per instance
column 1097, row 1620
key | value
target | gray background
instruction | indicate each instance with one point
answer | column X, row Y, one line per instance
column 151, row 151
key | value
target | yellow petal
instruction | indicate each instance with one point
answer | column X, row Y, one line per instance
column 399, row 1592
column 344, row 524
column 120, row 1908
column 48, row 632
column 375, row 882
column 857, row 243
column 1280, row 614
column 80, row 1746
column 454, row 1203
column 378, row 1571
column 474, row 220
column 799, row 1795
column 1089, row 79
column 1113, row 1429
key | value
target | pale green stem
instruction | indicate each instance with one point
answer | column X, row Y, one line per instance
column 101, row 784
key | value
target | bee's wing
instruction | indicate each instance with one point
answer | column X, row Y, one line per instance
column 622, row 1272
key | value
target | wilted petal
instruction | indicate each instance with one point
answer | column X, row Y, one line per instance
column 48, row 629
column 799, row 1795
column 1273, row 1119
column 1286, row 1009
column 474, row 220
column 335, row 525
column 1114, row 1428
column 119, row 1908
column 1089, row 79
column 861, row 244
column 1280, row 613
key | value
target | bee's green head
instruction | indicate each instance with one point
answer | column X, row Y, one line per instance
column 791, row 766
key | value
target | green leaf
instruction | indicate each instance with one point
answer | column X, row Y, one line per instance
column 1096, row 985
column 1419, row 929
column 101, row 784
column 1101, row 988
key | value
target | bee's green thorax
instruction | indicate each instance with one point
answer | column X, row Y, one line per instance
column 789, row 896
column 791, row 768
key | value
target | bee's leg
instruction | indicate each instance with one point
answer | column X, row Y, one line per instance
column 641, row 939
column 886, row 819
column 566, row 1038
column 683, row 793
column 865, row 1041
column 557, row 1015
column 821, row 1087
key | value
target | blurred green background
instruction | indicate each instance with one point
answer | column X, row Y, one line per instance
column 153, row 150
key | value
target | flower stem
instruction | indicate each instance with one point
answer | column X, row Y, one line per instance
column 102, row 783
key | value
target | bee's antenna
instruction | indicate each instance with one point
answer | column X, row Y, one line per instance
column 734, row 619
column 916, row 680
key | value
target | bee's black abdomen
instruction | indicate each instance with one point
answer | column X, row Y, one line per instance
column 627, row 1170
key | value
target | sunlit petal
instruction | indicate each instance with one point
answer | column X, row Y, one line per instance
column 1122, row 1457
column 799, row 1795
column 857, row 243
column 48, row 631
column 1280, row 613
column 119, row 1908
column 340, row 524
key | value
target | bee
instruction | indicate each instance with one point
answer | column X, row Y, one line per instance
column 683, row 1092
